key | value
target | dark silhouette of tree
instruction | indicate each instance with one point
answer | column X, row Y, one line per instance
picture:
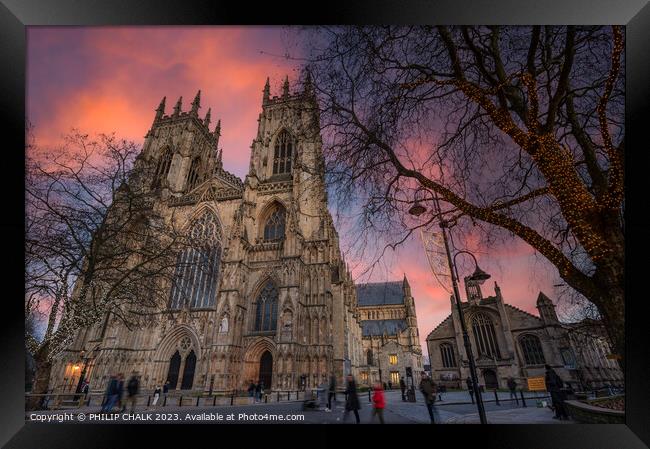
column 516, row 129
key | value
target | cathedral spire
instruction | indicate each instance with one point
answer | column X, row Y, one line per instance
column 196, row 104
column 267, row 91
column 308, row 86
column 217, row 133
column 285, row 87
column 206, row 120
column 177, row 108
column 160, row 111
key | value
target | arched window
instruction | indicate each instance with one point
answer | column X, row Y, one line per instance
column 283, row 153
column 370, row 358
column 486, row 340
column 193, row 174
column 266, row 308
column 197, row 266
column 162, row 169
column 532, row 349
column 274, row 226
column 447, row 355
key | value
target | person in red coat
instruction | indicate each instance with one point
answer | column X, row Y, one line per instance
column 378, row 403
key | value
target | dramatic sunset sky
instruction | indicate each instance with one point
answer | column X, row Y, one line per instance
column 111, row 79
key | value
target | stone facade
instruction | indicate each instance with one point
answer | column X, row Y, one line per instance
column 391, row 340
column 509, row 342
column 280, row 305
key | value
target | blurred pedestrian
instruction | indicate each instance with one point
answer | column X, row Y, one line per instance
column 378, row 403
column 120, row 392
column 554, row 385
column 352, row 403
column 132, row 390
column 331, row 393
column 512, row 386
column 156, row 395
column 428, row 389
column 259, row 390
column 112, row 394
column 402, row 386
column 470, row 388
column 251, row 391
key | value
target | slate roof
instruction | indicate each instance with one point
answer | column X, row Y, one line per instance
column 380, row 293
column 381, row 327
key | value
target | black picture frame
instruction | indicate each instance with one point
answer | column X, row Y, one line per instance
column 16, row 15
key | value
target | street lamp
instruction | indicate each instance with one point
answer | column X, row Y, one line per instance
column 478, row 276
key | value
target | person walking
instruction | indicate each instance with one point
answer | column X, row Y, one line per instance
column 132, row 390
column 428, row 389
column 378, row 403
column 470, row 388
column 512, row 386
column 251, row 391
column 352, row 403
column 331, row 393
column 259, row 390
column 402, row 386
column 120, row 392
column 111, row 395
column 156, row 395
column 554, row 386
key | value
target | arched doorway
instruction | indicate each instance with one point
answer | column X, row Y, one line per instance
column 174, row 367
column 188, row 371
column 266, row 369
column 491, row 381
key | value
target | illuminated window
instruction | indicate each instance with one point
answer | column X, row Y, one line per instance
column 392, row 359
column 394, row 377
column 364, row 376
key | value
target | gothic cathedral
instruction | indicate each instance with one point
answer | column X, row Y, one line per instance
column 273, row 299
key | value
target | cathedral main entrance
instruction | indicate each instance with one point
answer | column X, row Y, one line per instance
column 266, row 369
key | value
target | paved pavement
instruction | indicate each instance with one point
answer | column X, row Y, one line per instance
column 454, row 408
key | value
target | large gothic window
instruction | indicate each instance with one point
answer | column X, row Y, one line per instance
column 370, row 358
column 274, row 226
column 283, row 153
column 266, row 308
column 532, row 349
column 193, row 174
column 197, row 266
column 447, row 355
column 486, row 340
column 162, row 169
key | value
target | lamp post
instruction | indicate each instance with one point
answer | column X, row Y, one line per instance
column 479, row 276
column 82, row 376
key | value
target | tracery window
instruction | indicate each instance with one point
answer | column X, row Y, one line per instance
column 532, row 349
column 274, row 226
column 370, row 358
column 193, row 174
column 162, row 169
column 282, row 153
column 447, row 355
column 266, row 308
column 197, row 266
column 486, row 340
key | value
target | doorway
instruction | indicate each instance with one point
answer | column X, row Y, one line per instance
column 174, row 367
column 491, row 381
column 266, row 369
column 188, row 371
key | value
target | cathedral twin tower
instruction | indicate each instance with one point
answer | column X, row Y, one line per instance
column 272, row 299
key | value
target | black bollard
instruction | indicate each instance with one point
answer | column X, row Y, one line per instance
column 266, row 398
column 278, row 397
column 165, row 401
column 214, row 401
column 148, row 401
column 232, row 399
column 288, row 395
column 180, row 401
column 523, row 400
column 198, row 398
column 369, row 399
column 496, row 397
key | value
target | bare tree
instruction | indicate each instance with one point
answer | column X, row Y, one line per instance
column 96, row 248
column 518, row 130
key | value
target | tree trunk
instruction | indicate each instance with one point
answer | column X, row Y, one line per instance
column 41, row 379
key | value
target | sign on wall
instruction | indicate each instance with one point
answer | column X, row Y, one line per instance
column 536, row 383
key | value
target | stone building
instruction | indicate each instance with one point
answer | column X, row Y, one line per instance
column 507, row 341
column 273, row 299
column 391, row 340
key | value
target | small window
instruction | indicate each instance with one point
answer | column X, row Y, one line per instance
column 193, row 175
column 447, row 355
column 392, row 359
column 394, row 377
